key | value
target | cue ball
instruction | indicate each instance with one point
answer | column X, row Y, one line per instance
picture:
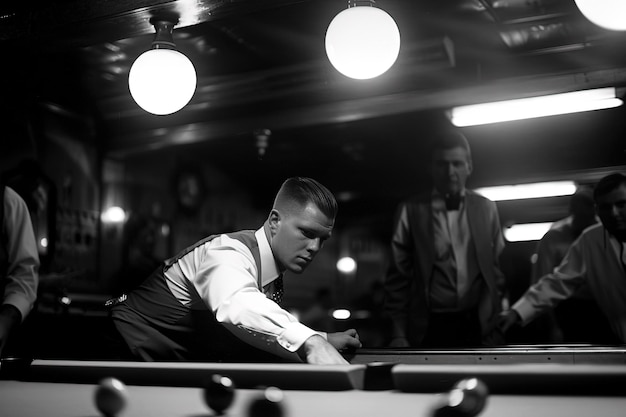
column 466, row 399
column 269, row 404
column 219, row 393
column 110, row 396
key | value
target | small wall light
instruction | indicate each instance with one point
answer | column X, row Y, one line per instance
column 346, row 265
column 609, row 14
column 363, row 41
column 113, row 214
column 162, row 80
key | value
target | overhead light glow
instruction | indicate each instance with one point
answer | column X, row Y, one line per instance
column 608, row 14
column 532, row 107
column 363, row 41
column 162, row 80
column 526, row 232
column 525, row 191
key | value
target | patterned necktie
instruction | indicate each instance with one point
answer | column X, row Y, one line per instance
column 277, row 294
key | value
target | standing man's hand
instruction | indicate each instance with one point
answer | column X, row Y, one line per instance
column 318, row 351
column 507, row 319
column 10, row 317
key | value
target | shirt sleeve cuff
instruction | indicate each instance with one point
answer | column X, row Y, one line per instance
column 24, row 306
column 295, row 335
column 525, row 311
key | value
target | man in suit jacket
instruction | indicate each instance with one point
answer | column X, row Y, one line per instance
column 444, row 285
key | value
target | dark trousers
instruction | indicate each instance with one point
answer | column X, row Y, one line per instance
column 449, row 330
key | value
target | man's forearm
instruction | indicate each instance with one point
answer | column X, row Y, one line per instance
column 317, row 350
column 9, row 314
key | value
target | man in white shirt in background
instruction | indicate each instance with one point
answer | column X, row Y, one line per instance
column 596, row 261
column 219, row 300
column 577, row 319
column 19, row 263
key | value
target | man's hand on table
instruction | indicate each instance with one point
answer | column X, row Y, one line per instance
column 346, row 340
column 319, row 351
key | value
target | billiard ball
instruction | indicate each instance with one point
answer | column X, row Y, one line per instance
column 110, row 396
column 219, row 393
column 467, row 398
column 475, row 394
column 269, row 404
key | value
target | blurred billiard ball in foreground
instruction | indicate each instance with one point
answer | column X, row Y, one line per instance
column 110, row 396
column 467, row 398
column 268, row 404
column 219, row 393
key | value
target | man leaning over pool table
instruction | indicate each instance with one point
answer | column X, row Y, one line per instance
column 219, row 300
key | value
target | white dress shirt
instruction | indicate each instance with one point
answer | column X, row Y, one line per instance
column 592, row 260
column 225, row 278
column 22, row 275
column 455, row 263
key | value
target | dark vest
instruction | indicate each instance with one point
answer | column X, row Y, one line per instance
column 178, row 331
column 245, row 236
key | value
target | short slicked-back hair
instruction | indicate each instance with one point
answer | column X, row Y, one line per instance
column 449, row 139
column 302, row 190
column 608, row 184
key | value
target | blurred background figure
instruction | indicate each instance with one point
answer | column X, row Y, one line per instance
column 578, row 319
column 444, row 285
column 596, row 261
column 19, row 266
column 38, row 191
column 139, row 257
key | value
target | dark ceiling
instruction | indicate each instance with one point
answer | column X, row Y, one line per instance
column 261, row 64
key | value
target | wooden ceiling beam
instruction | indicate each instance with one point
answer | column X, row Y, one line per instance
column 79, row 23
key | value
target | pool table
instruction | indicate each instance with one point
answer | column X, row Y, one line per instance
column 511, row 354
column 66, row 388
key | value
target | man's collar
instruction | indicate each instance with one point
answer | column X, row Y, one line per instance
column 269, row 268
column 437, row 194
column 442, row 202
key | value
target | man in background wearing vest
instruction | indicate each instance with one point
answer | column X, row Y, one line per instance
column 219, row 300
column 19, row 263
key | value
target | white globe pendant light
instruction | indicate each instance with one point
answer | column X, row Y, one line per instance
column 608, row 14
column 162, row 80
column 363, row 41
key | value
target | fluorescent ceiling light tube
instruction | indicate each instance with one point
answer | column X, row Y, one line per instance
column 526, row 232
column 524, row 191
column 527, row 108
